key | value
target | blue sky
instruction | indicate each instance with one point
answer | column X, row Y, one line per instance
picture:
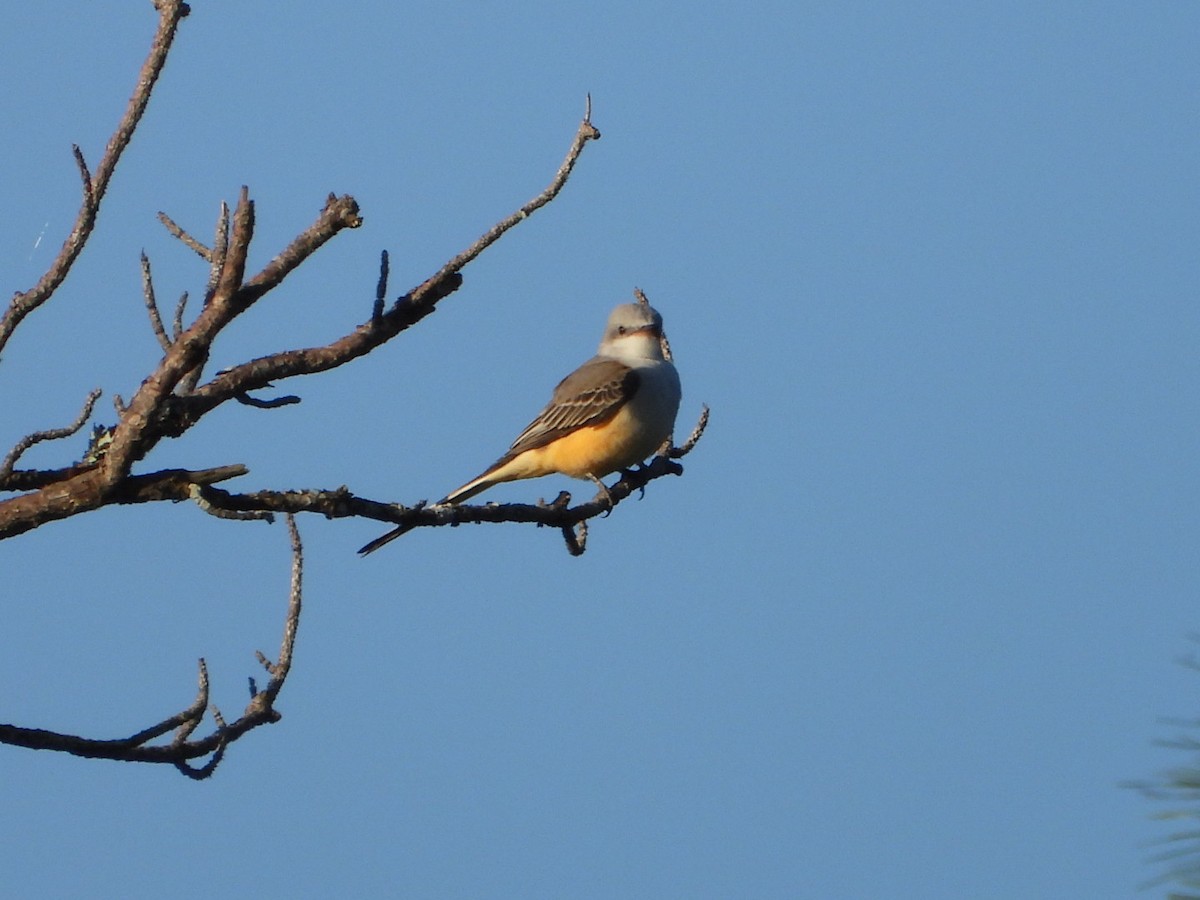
column 902, row 629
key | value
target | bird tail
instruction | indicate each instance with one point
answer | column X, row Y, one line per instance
column 471, row 488
column 384, row 539
column 466, row 492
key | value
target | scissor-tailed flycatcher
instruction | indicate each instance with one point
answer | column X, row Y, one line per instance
column 613, row 411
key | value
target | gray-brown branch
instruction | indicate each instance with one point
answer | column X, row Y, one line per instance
column 49, row 434
column 340, row 503
column 178, row 752
column 158, row 410
column 170, row 12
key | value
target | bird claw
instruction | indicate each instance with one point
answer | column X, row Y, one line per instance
column 608, row 497
column 627, row 473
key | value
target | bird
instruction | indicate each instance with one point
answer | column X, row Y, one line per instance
column 612, row 412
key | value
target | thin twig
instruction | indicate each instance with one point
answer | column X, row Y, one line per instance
column 50, row 434
column 273, row 403
column 586, row 132
column 95, row 185
column 216, row 270
column 219, row 251
column 188, row 241
column 381, row 287
column 196, row 493
column 184, row 722
column 339, row 213
column 156, row 322
column 89, row 193
column 697, row 432
column 409, row 310
column 576, row 538
column 182, row 747
column 279, row 671
column 177, row 322
column 159, row 409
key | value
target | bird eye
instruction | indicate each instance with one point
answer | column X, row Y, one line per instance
column 621, row 329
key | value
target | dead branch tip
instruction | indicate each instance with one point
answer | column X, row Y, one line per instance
column 177, row 232
column 89, row 196
column 693, row 438
column 380, row 287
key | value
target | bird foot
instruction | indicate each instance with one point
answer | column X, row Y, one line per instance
column 627, row 473
column 604, row 492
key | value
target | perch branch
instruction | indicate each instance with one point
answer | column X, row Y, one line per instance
column 340, row 503
column 559, row 513
column 165, row 404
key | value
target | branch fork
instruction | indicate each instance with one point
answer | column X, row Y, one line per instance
column 176, row 395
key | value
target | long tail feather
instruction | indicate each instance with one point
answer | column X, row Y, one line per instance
column 384, row 539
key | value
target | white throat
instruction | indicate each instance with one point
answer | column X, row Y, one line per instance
column 641, row 347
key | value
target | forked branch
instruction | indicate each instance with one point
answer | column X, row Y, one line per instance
column 175, row 396
column 183, row 748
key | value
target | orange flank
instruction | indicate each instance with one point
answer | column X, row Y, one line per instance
column 610, row 414
column 591, row 450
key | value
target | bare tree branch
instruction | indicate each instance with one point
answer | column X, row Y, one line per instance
column 89, row 192
column 558, row 514
column 380, row 328
column 172, row 399
column 144, row 421
column 138, row 747
column 35, row 479
column 157, row 410
column 50, row 434
column 587, row 132
column 196, row 493
column 381, row 287
column 170, row 12
column 220, row 248
column 273, row 403
column 340, row 503
column 697, row 432
column 188, row 241
column 171, row 484
column 156, row 322
column 576, row 538
column 177, row 322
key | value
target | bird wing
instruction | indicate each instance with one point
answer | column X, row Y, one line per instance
column 588, row 396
